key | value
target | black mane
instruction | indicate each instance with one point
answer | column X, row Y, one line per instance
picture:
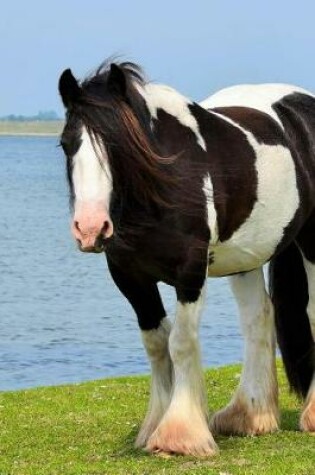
column 132, row 71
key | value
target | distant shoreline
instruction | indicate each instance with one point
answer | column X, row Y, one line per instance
column 28, row 134
column 51, row 128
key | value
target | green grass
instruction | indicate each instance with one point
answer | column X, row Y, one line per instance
column 90, row 429
column 51, row 127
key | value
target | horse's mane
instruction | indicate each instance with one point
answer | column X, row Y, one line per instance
column 123, row 124
column 133, row 72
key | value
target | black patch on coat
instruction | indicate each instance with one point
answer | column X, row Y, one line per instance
column 230, row 160
column 264, row 128
column 297, row 114
column 142, row 293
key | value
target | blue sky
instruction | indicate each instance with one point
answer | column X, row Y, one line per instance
column 195, row 46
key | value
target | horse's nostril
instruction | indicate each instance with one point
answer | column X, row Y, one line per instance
column 76, row 225
column 105, row 228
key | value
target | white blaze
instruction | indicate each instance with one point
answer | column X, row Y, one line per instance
column 92, row 183
column 92, row 179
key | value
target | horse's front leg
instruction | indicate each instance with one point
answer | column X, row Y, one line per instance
column 254, row 407
column 156, row 345
column 155, row 329
column 184, row 427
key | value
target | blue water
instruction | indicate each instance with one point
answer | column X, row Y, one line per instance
column 61, row 317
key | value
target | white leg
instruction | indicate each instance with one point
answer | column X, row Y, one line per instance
column 307, row 421
column 156, row 345
column 254, row 407
column 184, row 428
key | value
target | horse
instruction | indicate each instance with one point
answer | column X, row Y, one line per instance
column 176, row 191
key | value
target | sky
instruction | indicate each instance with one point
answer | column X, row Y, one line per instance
column 195, row 46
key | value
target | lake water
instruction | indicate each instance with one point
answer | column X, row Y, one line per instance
column 61, row 317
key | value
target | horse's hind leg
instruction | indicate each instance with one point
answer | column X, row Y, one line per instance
column 254, row 407
column 307, row 421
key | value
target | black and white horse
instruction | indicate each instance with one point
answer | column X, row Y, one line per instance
column 176, row 191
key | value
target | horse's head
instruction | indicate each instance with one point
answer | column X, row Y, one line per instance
column 89, row 173
column 112, row 154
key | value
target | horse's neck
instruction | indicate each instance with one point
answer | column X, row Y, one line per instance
column 161, row 97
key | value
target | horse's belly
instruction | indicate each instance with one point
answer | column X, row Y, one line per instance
column 254, row 243
column 229, row 258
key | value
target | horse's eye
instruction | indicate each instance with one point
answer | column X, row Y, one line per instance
column 64, row 146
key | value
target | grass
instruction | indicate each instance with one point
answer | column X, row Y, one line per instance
column 49, row 127
column 90, row 428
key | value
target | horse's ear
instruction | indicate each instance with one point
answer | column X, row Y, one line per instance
column 116, row 81
column 69, row 89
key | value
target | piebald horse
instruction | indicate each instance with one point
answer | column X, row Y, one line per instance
column 176, row 191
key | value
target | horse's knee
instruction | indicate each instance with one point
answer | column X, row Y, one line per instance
column 156, row 341
column 182, row 346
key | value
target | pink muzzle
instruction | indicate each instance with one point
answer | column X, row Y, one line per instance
column 91, row 226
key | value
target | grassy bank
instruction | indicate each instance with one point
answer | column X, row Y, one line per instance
column 89, row 429
column 51, row 127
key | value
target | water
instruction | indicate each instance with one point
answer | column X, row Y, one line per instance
column 61, row 317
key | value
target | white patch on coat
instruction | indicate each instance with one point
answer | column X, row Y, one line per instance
column 257, row 96
column 211, row 211
column 91, row 175
column 158, row 96
column 254, row 242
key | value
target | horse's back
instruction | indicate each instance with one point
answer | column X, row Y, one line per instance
column 262, row 97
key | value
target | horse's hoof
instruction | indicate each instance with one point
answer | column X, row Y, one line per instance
column 182, row 438
column 148, row 427
column 241, row 419
column 307, row 421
